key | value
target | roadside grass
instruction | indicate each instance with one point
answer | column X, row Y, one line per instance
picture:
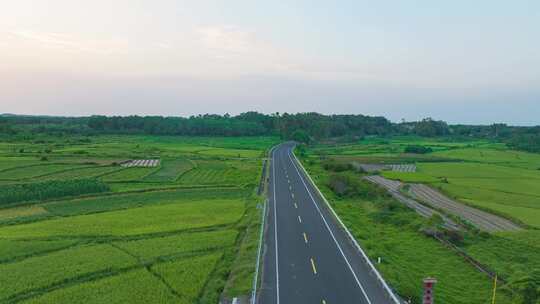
column 388, row 230
column 511, row 255
column 240, row 279
column 170, row 170
column 486, row 175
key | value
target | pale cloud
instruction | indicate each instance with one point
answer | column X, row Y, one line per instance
column 228, row 39
column 68, row 43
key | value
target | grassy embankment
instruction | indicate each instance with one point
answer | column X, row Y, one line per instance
column 482, row 174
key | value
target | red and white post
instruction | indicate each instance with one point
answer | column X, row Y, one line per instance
column 429, row 283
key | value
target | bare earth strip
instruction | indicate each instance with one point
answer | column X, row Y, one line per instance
column 380, row 167
column 480, row 219
column 141, row 163
column 393, row 187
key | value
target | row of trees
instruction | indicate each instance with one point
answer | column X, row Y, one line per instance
column 303, row 127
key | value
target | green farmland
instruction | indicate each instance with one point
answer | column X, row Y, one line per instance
column 76, row 227
column 482, row 174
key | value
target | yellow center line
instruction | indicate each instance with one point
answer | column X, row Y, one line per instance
column 295, row 206
column 313, row 266
column 299, row 219
column 305, row 237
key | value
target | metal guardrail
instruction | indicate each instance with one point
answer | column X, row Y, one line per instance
column 367, row 261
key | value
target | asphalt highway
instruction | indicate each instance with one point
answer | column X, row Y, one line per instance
column 307, row 256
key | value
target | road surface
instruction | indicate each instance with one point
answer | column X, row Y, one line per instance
column 307, row 257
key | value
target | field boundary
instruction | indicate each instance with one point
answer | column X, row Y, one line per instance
column 366, row 259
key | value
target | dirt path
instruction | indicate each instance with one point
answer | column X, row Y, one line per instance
column 393, row 187
column 481, row 219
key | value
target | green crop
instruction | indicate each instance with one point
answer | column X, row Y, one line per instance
column 40, row 272
column 136, row 286
column 188, row 277
column 149, row 249
column 48, row 190
column 167, row 217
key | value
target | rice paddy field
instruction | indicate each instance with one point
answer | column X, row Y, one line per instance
column 182, row 232
column 482, row 174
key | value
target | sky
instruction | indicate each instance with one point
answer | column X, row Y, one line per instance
column 474, row 62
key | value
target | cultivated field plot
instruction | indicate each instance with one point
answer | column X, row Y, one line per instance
column 481, row 219
column 33, row 171
column 171, row 170
column 128, row 175
column 212, row 172
column 68, row 236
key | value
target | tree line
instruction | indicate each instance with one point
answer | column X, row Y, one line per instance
column 303, row 127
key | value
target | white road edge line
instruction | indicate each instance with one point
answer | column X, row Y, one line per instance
column 275, row 224
column 329, row 230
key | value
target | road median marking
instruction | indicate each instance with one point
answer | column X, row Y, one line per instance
column 313, row 266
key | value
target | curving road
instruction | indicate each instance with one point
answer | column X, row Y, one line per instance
column 307, row 257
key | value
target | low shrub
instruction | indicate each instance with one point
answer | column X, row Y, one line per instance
column 350, row 185
column 415, row 149
column 335, row 166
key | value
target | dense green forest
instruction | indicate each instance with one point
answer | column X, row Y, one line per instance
column 304, row 127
